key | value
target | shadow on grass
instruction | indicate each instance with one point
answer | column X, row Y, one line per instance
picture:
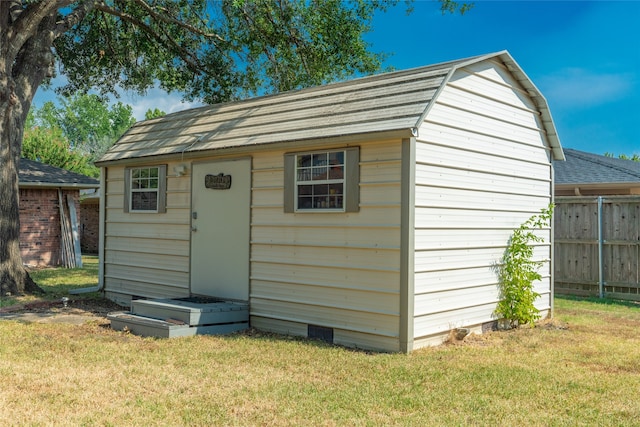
column 253, row 335
column 601, row 301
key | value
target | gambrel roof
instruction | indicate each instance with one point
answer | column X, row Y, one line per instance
column 390, row 104
column 36, row 174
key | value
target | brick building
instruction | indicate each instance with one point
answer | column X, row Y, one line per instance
column 90, row 223
column 42, row 188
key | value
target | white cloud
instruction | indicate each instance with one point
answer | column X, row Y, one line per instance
column 577, row 87
column 156, row 98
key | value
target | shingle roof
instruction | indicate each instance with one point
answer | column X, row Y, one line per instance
column 587, row 168
column 36, row 174
column 390, row 103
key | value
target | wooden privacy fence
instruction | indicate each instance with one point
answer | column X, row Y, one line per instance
column 597, row 245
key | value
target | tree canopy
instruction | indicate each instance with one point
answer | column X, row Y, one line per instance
column 634, row 157
column 212, row 51
column 216, row 51
column 50, row 146
column 84, row 123
column 153, row 113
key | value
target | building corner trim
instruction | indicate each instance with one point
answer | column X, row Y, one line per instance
column 407, row 244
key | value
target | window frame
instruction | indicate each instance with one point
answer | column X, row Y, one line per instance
column 350, row 181
column 160, row 190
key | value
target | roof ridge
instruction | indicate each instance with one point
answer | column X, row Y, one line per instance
column 383, row 75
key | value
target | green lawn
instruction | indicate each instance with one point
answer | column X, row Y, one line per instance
column 56, row 282
column 581, row 369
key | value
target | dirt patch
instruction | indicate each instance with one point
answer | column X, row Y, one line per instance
column 552, row 324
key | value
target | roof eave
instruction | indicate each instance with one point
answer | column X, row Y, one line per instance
column 540, row 101
column 57, row 185
column 597, row 185
column 356, row 138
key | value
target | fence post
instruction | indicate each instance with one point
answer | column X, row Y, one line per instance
column 600, row 250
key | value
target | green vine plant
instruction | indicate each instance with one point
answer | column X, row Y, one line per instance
column 518, row 271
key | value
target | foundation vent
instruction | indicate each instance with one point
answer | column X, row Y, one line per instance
column 321, row 333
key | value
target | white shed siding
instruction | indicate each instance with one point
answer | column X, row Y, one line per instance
column 337, row 270
column 482, row 168
column 147, row 255
column 436, row 327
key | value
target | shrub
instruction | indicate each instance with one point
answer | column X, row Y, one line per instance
column 518, row 271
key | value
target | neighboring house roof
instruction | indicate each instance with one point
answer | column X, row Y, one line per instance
column 581, row 168
column 391, row 104
column 588, row 174
column 36, row 174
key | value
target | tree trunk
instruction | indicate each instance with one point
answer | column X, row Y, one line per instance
column 18, row 81
column 25, row 60
column 14, row 279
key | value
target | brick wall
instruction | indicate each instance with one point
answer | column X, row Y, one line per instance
column 40, row 243
column 89, row 223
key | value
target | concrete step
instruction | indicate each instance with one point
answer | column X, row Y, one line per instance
column 168, row 318
column 192, row 311
column 150, row 327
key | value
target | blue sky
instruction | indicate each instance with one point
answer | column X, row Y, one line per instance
column 583, row 56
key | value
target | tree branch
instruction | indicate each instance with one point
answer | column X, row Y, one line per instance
column 15, row 9
column 294, row 37
column 170, row 20
column 27, row 21
column 188, row 57
column 75, row 17
column 250, row 23
column 108, row 40
column 34, row 62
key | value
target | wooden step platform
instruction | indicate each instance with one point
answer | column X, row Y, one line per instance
column 168, row 318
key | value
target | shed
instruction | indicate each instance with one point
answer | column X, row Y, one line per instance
column 590, row 174
column 41, row 189
column 370, row 212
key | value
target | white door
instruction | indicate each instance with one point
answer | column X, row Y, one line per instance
column 220, row 211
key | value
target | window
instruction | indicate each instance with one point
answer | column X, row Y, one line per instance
column 145, row 189
column 325, row 181
column 320, row 180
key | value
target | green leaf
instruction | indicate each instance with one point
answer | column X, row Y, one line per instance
column 518, row 271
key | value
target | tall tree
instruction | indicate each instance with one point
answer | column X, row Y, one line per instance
column 154, row 113
column 50, row 146
column 87, row 121
column 209, row 50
